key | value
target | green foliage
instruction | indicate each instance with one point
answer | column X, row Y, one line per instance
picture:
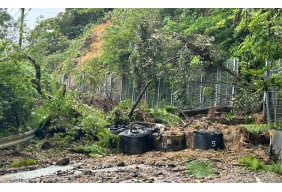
column 119, row 115
column 229, row 116
column 17, row 95
column 258, row 128
column 174, row 47
column 254, row 164
column 23, row 163
column 94, row 123
column 5, row 22
column 200, row 169
column 262, row 40
column 93, row 150
column 246, row 102
column 167, row 115
column 46, row 39
column 132, row 45
column 274, row 167
column 61, row 139
column 72, row 22
column 53, row 61
column 171, row 109
column 8, row 132
column 60, row 111
column 107, row 139
column 93, row 120
column 92, row 74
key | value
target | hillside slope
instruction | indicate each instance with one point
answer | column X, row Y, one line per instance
column 92, row 45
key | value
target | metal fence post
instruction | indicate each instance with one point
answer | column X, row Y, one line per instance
column 201, row 93
column 218, row 87
column 266, row 95
column 159, row 82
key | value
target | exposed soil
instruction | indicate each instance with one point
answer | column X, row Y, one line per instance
column 93, row 43
column 153, row 166
column 103, row 103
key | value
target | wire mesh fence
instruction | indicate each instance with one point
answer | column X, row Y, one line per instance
column 273, row 95
column 204, row 91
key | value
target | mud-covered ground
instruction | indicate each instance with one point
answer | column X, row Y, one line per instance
column 149, row 167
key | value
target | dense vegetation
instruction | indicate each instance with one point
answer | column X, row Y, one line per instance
column 140, row 45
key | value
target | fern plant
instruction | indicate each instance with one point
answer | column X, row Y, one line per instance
column 161, row 115
column 254, row 164
column 200, row 169
column 93, row 150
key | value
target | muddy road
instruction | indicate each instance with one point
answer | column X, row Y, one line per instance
column 149, row 167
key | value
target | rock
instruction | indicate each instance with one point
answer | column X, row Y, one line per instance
column 135, row 174
column 15, row 152
column 178, row 169
column 157, row 173
column 172, row 165
column 134, row 166
column 121, row 164
column 64, row 161
column 87, row 172
column 159, row 164
column 46, row 145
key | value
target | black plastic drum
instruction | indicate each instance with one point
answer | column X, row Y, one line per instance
column 206, row 139
column 135, row 141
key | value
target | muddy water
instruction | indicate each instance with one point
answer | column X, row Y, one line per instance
column 24, row 175
column 54, row 170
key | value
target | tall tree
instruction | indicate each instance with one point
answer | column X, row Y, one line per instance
column 5, row 19
column 73, row 20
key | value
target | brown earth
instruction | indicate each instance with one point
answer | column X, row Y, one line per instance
column 92, row 45
column 102, row 102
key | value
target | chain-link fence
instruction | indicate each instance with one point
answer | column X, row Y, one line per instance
column 273, row 96
column 205, row 91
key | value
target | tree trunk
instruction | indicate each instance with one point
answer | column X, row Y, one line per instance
column 37, row 79
column 138, row 100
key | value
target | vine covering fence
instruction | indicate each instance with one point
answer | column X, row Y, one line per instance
column 216, row 88
column 206, row 90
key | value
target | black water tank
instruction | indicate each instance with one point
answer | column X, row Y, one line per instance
column 135, row 141
column 207, row 139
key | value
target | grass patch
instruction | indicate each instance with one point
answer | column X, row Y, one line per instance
column 257, row 128
column 7, row 132
column 23, row 163
column 93, row 150
column 254, row 164
column 200, row 169
column 251, row 163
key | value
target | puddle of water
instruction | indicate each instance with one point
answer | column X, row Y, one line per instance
column 36, row 173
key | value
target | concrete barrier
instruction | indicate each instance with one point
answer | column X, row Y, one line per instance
column 277, row 143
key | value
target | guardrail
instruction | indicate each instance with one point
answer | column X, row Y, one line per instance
column 16, row 139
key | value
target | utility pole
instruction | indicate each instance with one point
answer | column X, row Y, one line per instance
column 21, row 27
